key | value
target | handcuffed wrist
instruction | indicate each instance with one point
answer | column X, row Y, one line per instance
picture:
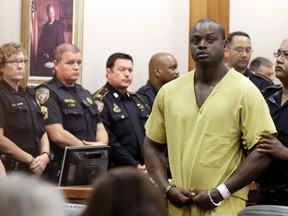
column 211, row 200
column 166, row 191
column 224, row 191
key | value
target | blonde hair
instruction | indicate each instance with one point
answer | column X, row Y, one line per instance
column 63, row 48
column 9, row 49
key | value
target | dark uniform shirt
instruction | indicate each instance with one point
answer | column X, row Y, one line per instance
column 259, row 80
column 148, row 93
column 124, row 117
column 22, row 122
column 277, row 173
column 72, row 107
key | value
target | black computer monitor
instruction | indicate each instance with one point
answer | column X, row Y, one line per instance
column 82, row 164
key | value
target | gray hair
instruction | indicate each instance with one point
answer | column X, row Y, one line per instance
column 23, row 195
column 257, row 62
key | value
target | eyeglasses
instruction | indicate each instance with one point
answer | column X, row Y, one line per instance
column 241, row 50
column 15, row 63
column 281, row 53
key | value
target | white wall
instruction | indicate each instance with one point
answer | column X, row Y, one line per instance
column 142, row 28
column 265, row 21
column 10, row 21
column 139, row 28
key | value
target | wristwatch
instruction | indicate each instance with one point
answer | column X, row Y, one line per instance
column 48, row 154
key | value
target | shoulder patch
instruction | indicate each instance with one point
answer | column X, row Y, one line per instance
column 100, row 105
column 42, row 95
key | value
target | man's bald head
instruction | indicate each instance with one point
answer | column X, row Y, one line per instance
column 162, row 69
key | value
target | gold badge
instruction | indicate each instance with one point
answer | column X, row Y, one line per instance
column 141, row 107
column 44, row 111
column 42, row 95
column 100, row 105
column 69, row 101
column 116, row 108
column 89, row 100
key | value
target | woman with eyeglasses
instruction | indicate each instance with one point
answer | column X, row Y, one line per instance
column 24, row 144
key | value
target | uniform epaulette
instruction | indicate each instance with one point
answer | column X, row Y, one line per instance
column 136, row 94
column 31, row 90
column 49, row 81
column 145, row 87
column 261, row 76
column 101, row 93
column 141, row 98
column 271, row 89
column 132, row 93
column 79, row 85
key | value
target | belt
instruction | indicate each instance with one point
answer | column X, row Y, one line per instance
column 12, row 165
column 279, row 190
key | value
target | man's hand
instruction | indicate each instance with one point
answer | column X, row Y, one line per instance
column 201, row 199
column 179, row 197
column 39, row 164
column 270, row 144
column 142, row 168
column 91, row 143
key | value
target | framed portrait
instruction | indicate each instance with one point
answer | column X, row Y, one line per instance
column 46, row 24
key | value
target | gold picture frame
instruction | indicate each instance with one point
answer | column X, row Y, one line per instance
column 67, row 12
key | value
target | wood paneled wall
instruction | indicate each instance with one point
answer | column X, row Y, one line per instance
column 214, row 9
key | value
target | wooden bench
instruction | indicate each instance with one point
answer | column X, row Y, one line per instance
column 252, row 194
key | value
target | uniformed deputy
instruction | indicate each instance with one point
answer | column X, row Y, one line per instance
column 71, row 116
column 238, row 54
column 162, row 69
column 24, row 144
column 273, row 183
column 124, row 113
column 148, row 92
column 263, row 66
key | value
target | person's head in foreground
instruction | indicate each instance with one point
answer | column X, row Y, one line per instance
column 125, row 192
column 23, row 195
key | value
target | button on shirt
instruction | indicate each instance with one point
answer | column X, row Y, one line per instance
column 73, row 107
column 124, row 117
column 21, row 118
column 277, row 173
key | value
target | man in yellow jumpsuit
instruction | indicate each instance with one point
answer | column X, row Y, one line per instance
column 208, row 118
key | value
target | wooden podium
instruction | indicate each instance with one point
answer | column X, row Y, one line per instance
column 76, row 194
column 80, row 194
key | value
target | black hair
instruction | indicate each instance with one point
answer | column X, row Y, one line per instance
column 111, row 60
column 207, row 20
column 236, row 33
